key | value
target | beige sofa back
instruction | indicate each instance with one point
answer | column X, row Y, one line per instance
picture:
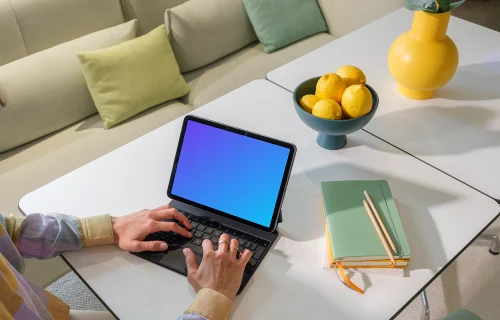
column 29, row 26
column 149, row 13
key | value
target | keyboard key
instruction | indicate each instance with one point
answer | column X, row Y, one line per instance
column 242, row 242
column 227, row 230
column 196, row 218
column 194, row 247
column 217, row 233
column 243, row 236
column 235, row 233
column 197, row 241
column 252, row 262
column 198, row 234
column 220, row 227
column 206, row 236
column 216, row 247
column 203, row 220
column 194, row 224
column 209, row 230
column 264, row 243
column 253, row 246
column 214, row 239
column 258, row 253
column 240, row 248
column 247, row 244
column 201, row 227
column 211, row 224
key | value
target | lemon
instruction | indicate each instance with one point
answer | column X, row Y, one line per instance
column 330, row 86
column 328, row 109
column 308, row 101
column 356, row 101
column 352, row 75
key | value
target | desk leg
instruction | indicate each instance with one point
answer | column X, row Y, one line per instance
column 427, row 311
column 495, row 242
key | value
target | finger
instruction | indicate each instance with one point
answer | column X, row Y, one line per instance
column 191, row 264
column 163, row 207
column 233, row 249
column 223, row 243
column 171, row 213
column 139, row 246
column 174, row 227
column 245, row 257
column 207, row 246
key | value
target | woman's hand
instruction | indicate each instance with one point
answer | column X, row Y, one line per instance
column 219, row 270
column 130, row 230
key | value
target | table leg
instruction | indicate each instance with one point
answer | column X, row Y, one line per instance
column 495, row 242
column 427, row 310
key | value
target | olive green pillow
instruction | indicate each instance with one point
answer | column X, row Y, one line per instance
column 133, row 76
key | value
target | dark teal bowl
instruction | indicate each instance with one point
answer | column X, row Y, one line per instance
column 331, row 133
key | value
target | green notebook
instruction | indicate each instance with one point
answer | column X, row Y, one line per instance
column 352, row 234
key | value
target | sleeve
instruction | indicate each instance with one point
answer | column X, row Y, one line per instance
column 208, row 304
column 46, row 236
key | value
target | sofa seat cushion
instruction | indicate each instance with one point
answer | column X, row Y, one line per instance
column 243, row 66
column 37, row 163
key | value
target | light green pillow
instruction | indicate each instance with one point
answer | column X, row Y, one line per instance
column 278, row 23
column 133, row 76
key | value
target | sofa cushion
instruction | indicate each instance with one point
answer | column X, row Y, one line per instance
column 46, row 23
column 149, row 13
column 132, row 76
column 243, row 66
column 46, row 91
column 278, row 23
column 339, row 14
column 11, row 39
column 37, row 163
column 202, row 31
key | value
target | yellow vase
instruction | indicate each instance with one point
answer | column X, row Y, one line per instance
column 424, row 58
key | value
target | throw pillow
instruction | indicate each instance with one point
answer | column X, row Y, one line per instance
column 278, row 23
column 46, row 91
column 202, row 31
column 133, row 76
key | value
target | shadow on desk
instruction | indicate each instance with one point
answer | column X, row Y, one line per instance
column 473, row 82
column 303, row 220
column 437, row 130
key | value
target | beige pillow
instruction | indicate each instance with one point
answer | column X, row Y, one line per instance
column 46, row 91
column 202, row 31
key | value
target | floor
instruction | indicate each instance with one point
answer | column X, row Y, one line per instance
column 471, row 282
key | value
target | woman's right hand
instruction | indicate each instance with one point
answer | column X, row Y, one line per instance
column 219, row 270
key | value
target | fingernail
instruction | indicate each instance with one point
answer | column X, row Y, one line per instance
column 190, row 235
column 163, row 246
column 185, row 251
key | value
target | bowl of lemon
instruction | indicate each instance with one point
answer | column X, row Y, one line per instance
column 336, row 105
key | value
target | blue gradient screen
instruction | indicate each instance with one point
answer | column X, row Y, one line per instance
column 229, row 172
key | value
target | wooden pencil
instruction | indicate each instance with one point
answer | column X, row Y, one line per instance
column 381, row 236
column 375, row 212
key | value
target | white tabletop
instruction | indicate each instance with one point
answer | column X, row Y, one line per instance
column 458, row 131
column 440, row 216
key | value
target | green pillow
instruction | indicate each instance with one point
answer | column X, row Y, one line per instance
column 278, row 23
column 133, row 76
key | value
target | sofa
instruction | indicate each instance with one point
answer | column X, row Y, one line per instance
column 28, row 27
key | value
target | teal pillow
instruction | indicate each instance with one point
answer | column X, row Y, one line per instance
column 278, row 23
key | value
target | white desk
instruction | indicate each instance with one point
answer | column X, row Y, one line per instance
column 458, row 131
column 441, row 216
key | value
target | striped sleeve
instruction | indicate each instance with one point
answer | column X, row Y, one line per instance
column 46, row 236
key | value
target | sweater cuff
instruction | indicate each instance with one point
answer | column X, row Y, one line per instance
column 211, row 305
column 97, row 230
